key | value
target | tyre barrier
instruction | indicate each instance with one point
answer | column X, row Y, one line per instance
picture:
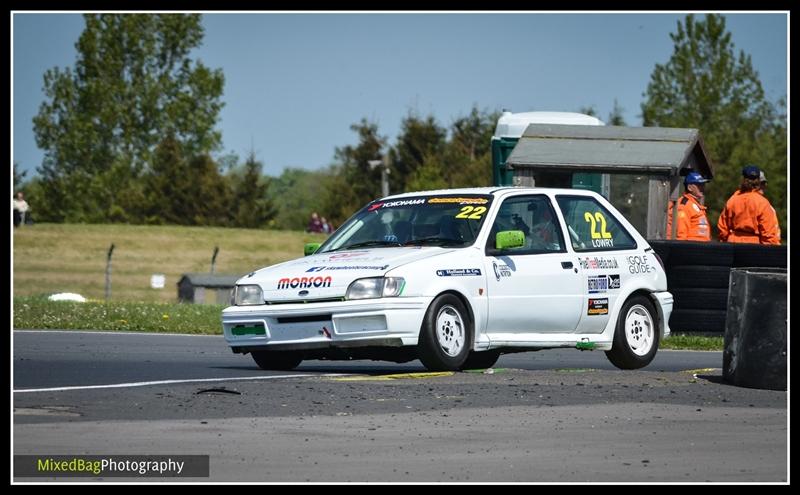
column 755, row 329
column 698, row 276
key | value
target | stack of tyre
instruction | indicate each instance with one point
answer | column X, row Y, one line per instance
column 698, row 276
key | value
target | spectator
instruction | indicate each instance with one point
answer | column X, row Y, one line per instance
column 692, row 219
column 314, row 225
column 326, row 227
column 20, row 210
column 748, row 216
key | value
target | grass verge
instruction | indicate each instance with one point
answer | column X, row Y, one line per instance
column 36, row 312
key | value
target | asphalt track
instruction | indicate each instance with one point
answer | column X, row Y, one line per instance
column 548, row 416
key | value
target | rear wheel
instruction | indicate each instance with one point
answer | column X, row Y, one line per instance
column 636, row 336
column 446, row 335
column 277, row 360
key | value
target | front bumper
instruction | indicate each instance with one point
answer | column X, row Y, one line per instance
column 369, row 322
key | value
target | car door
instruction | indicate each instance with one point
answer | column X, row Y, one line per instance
column 534, row 288
column 602, row 246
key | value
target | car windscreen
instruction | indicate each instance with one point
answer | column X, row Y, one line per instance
column 440, row 220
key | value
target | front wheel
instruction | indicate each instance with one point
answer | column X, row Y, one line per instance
column 277, row 360
column 446, row 334
column 636, row 336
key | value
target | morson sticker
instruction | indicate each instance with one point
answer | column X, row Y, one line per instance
column 304, row 282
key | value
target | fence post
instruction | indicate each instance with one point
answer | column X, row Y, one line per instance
column 214, row 258
column 108, row 272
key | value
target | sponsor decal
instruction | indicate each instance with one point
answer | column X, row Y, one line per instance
column 393, row 204
column 598, row 306
column 461, row 201
column 501, row 270
column 353, row 267
column 598, row 284
column 459, row 272
column 304, row 282
column 639, row 264
column 598, row 263
column 603, row 283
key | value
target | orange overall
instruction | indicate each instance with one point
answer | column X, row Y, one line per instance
column 692, row 220
column 749, row 217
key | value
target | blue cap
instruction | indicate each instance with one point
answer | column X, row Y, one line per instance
column 694, row 178
column 751, row 172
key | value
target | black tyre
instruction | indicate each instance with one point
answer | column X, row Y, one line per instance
column 636, row 336
column 699, row 276
column 480, row 360
column 445, row 338
column 758, row 255
column 698, row 320
column 715, row 299
column 701, row 253
column 277, row 360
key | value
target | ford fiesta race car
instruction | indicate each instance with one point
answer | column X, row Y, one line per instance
column 457, row 277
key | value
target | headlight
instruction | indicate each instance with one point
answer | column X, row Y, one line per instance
column 244, row 295
column 370, row 288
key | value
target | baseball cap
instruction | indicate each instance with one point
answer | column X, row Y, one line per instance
column 694, row 178
column 751, row 172
column 763, row 177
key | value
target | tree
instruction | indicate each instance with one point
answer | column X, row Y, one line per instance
column 705, row 85
column 419, row 138
column 253, row 207
column 19, row 177
column 354, row 182
column 467, row 156
column 133, row 83
column 616, row 117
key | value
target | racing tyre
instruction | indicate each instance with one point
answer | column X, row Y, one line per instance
column 276, row 360
column 480, row 360
column 446, row 335
column 636, row 336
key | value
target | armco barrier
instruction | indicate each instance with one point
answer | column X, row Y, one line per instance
column 698, row 275
column 755, row 329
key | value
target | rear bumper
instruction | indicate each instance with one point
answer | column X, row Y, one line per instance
column 664, row 307
column 372, row 322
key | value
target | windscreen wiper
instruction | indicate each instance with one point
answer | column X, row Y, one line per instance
column 369, row 244
column 433, row 240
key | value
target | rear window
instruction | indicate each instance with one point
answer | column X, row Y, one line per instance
column 592, row 227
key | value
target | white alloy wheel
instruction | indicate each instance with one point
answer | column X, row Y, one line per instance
column 639, row 329
column 450, row 330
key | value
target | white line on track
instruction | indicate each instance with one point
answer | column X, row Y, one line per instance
column 171, row 382
column 106, row 332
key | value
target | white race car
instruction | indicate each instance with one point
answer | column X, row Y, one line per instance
column 457, row 277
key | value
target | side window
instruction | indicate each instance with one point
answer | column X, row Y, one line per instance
column 591, row 226
column 535, row 217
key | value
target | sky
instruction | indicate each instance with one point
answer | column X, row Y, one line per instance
column 295, row 83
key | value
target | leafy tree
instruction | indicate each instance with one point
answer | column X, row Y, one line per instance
column 467, row 156
column 186, row 191
column 354, row 182
column 428, row 176
column 705, row 85
column 419, row 138
column 253, row 207
column 297, row 193
column 19, row 177
column 133, row 83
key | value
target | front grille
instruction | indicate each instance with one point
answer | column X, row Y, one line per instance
column 305, row 319
column 306, row 301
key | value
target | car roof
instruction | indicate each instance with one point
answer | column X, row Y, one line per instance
column 494, row 191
